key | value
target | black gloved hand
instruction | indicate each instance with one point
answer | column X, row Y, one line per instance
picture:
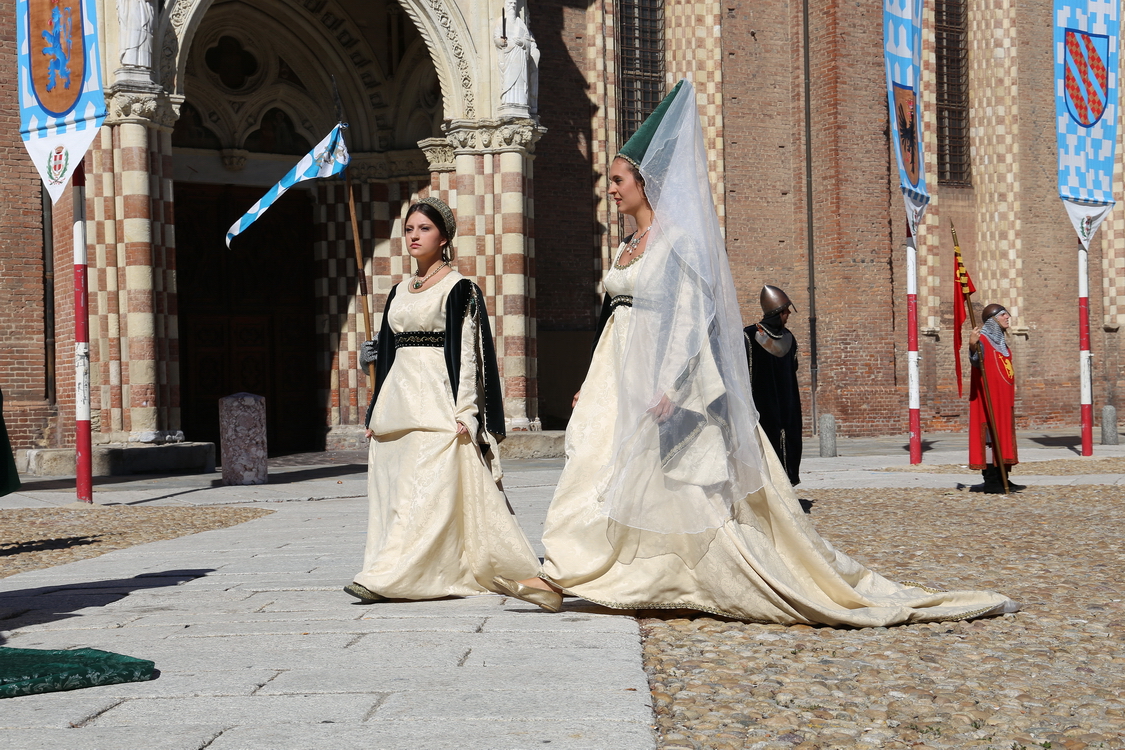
column 367, row 354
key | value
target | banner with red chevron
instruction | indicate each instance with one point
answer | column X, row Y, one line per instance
column 1086, row 53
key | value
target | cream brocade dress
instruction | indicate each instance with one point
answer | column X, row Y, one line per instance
column 766, row 564
column 438, row 524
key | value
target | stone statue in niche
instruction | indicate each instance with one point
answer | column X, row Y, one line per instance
column 519, row 62
column 134, row 18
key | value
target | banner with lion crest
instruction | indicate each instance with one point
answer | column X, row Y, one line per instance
column 60, row 85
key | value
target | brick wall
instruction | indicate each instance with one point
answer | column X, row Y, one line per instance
column 565, row 250
column 857, row 232
column 23, row 352
column 569, row 183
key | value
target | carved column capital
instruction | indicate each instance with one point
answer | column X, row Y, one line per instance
column 150, row 107
column 234, row 159
column 439, row 153
column 493, row 136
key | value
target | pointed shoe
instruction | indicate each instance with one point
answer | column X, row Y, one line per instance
column 364, row 594
column 548, row 600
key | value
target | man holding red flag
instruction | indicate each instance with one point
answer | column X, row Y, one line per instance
column 992, row 360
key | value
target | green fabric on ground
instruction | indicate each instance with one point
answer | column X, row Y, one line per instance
column 9, row 479
column 25, row 671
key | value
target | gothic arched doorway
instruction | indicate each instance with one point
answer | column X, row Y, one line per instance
column 247, row 315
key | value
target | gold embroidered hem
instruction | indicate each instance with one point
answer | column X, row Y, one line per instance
column 765, row 564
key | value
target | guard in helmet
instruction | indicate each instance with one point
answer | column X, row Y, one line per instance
column 772, row 352
column 989, row 353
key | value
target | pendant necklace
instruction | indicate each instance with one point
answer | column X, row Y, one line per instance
column 418, row 284
column 633, row 243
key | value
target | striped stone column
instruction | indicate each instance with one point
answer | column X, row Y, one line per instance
column 134, row 244
column 493, row 160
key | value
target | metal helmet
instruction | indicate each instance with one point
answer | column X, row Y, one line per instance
column 991, row 311
column 774, row 301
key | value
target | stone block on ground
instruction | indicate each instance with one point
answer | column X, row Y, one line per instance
column 242, row 430
column 537, row 444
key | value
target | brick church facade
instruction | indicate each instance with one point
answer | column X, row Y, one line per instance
column 801, row 172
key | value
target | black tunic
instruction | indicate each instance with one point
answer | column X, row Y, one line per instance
column 9, row 479
column 773, row 382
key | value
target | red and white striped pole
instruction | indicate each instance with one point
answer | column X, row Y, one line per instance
column 83, row 459
column 1085, row 356
column 912, row 348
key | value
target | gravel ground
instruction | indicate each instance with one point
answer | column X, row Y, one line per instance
column 1054, row 467
column 34, row 538
column 1052, row 676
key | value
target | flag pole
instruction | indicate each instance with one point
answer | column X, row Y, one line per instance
column 356, row 241
column 966, row 295
column 1085, row 356
column 360, row 271
column 82, row 458
column 912, row 347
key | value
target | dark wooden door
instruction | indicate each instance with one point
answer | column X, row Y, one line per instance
column 247, row 315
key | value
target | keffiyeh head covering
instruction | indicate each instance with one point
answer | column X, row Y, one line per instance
column 685, row 442
column 992, row 331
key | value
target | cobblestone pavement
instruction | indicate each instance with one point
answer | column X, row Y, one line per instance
column 1052, row 676
column 34, row 538
column 1048, row 677
column 1054, row 467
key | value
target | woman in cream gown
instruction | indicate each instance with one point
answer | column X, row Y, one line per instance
column 672, row 497
column 439, row 524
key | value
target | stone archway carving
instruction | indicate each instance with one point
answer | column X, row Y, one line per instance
column 440, row 23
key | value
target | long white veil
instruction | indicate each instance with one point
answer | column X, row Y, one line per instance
column 685, row 444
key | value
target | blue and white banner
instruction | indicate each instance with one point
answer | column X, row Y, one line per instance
column 902, row 53
column 1086, row 108
column 327, row 158
column 60, row 85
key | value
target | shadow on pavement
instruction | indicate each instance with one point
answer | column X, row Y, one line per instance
column 1074, row 442
column 319, row 472
column 42, row 545
column 43, row 604
column 67, row 483
column 927, row 445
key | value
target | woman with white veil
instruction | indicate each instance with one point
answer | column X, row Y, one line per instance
column 672, row 497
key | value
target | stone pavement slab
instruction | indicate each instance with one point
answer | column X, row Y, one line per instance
column 257, row 646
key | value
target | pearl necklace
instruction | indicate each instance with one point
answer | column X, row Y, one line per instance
column 421, row 282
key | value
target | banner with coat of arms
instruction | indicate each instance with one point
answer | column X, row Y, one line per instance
column 1086, row 108
column 60, row 85
column 902, row 53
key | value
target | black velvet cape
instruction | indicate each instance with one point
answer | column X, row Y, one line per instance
column 465, row 298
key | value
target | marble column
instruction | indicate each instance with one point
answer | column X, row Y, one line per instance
column 493, row 160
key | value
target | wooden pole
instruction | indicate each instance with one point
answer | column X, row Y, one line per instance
column 356, row 241
column 997, row 451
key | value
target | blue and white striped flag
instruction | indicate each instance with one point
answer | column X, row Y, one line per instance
column 327, row 158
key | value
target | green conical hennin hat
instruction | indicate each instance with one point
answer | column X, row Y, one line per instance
column 634, row 149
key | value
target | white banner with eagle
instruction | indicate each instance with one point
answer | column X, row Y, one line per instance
column 902, row 53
